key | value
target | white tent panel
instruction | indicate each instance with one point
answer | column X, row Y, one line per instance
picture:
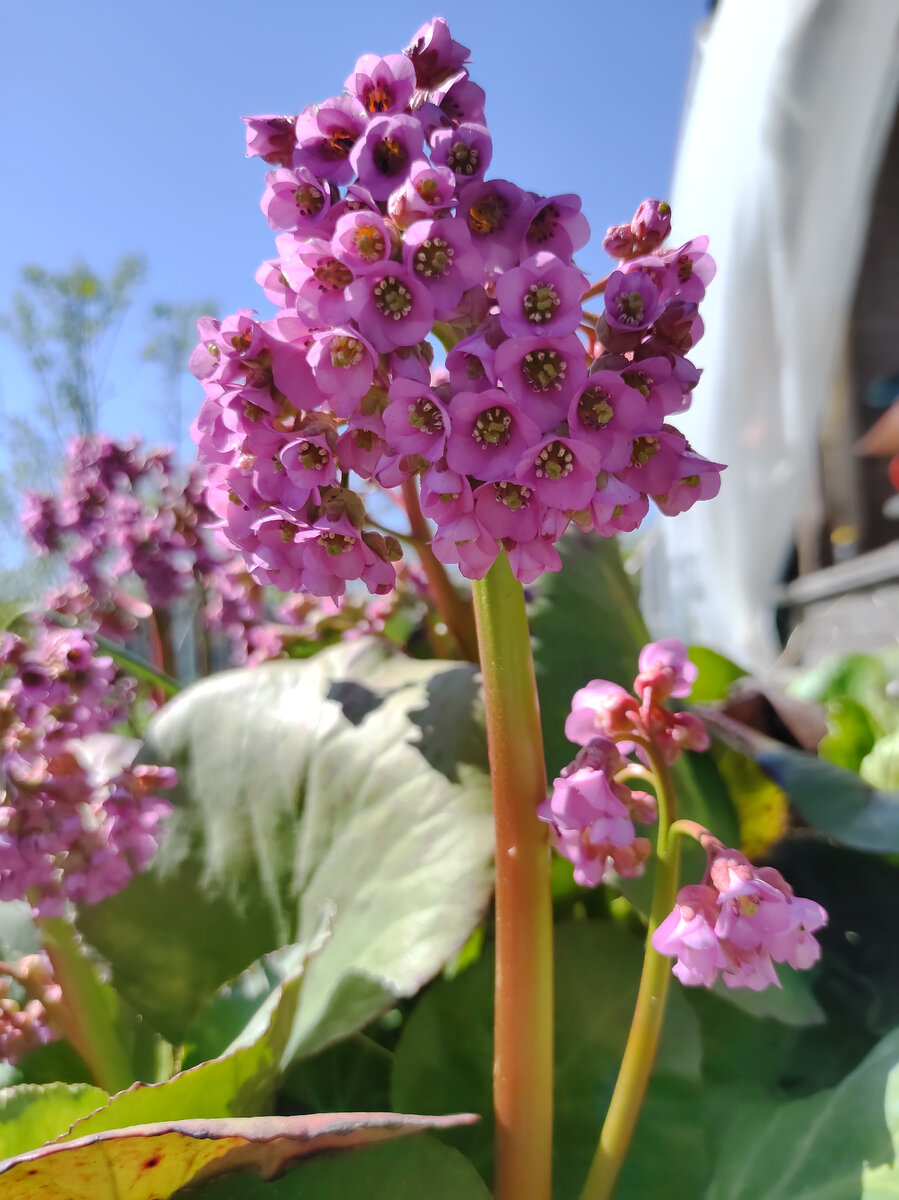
column 784, row 128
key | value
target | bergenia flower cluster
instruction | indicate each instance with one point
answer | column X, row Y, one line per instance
column 70, row 828
column 592, row 810
column 741, row 919
column 27, row 1023
column 133, row 527
column 389, row 230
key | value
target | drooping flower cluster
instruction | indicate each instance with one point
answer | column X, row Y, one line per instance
column 738, row 921
column 389, row 229
column 592, row 809
column 592, row 812
column 71, row 827
column 27, row 1024
column 741, row 919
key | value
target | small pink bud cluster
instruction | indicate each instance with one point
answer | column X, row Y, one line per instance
column 27, row 1024
column 389, row 231
column 605, row 709
column 738, row 921
column 592, row 810
column 69, row 830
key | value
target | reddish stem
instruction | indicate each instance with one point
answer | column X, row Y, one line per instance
column 456, row 612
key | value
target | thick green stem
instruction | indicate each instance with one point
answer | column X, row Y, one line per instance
column 646, row 1026
column 523, row 1021
column 83, row 1011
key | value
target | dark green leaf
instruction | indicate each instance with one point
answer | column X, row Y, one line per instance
column 31, row 1115
column 352, row 1074
column 446, row 1048
column 409, row 1170
column 832, row 800
column 716, row 675
column 586, row 625
column 812, row 1149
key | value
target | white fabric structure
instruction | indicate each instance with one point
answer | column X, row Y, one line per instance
column 782, row 138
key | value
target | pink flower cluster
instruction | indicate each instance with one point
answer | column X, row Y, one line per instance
column 389, row 230
column 604, row 709
column 26, row 1025
column 738, row 921
column 133, row 529
column 592, row 810
column 69, row 829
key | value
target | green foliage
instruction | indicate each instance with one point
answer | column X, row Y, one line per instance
column 58, row 320
column 406, row 1170
column 838, row 803
column 445, row 1053
column 357, row 778
column 811, row 1149
column 882, row 1183
column 717, row 675
column 239, row 1084
column 880, row 767
column 585, row 625
column 161, row 1158
column 851, row 735
column 31, row 1114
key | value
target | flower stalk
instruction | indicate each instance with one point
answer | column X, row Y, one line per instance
column 83, row 1013
column 649, row 1012
column 455, row 611
column 523, row 1019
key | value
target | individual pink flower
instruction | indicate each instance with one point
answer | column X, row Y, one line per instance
column 593, row 826
column 542, row 296
column 665, row 668
column 562, row 471
column 688, row 933
column 490, row 435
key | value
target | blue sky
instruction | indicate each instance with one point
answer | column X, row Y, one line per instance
column 124, row 134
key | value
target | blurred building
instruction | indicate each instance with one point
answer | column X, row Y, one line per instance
column 789, row 160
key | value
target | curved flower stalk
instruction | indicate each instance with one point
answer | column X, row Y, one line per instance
column 737, row 922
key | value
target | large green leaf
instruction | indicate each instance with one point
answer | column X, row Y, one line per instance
column 356, row 778
column 444, row 1057
column 31, row 1115
column 861, row 678
column 811, row 1149
column 239, row 1084
column 716, row 677
column 411, row 1169
column 240, row 1011
column 158, row 1160
column 585, row 624
column 851, row 733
